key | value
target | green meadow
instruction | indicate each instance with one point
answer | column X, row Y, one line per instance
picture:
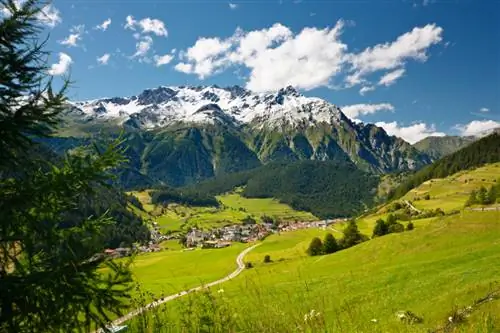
column 233, row 209
column 431, row 271
column 436, row 271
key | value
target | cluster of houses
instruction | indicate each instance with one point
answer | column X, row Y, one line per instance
column 220, row 237
column 223, row 237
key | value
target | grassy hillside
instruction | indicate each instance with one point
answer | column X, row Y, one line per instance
column 233, row 209
column 479, row 153
column 431, row 271
column 448, row 194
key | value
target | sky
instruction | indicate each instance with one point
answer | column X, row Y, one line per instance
column 414, row 67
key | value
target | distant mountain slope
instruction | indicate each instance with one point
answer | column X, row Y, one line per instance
column 181, row 135
column 437, row 147
column 485, row 150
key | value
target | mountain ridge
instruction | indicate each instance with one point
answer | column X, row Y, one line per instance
column 180, row 135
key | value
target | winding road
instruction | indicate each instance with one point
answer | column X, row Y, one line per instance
column 241, row 267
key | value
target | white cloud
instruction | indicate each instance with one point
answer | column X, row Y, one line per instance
column 412, row 133
column 104, row 25
column 162, row 60
column 49, row 15
column 484, row 110
column 233, row 6
column 74, row 37
column 142, row 47
column 478, row 127
column 147, row 25
column 355, row 110
column 104, row 59
column 184, row 68
column 62, row 66
column 391, row 77
column 275, row 56
column 130, row 22
column 366, row 89
column 389, row 56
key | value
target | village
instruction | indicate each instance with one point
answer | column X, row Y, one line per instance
column 246, row 233
column 218, row 237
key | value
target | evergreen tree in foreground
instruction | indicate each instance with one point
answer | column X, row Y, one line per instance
column 48, row 268
column 330, row 244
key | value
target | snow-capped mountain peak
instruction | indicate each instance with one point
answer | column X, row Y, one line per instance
column 162, row 106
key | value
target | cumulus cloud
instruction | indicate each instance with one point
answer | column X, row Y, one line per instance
column 355, row 110
column 412, row 133
column 162, row 60
column 389, row 56
column 104, row 59
column 484, row 110
column 74, row 37
column 62, row 66
column 233, row 6
column 184, row 68
column 142, row 47
column 366, row 89
column 391, row 77
column 275, row 56
column 147, row 25
column 478, row 127
column 104, row 25
column 205, row 56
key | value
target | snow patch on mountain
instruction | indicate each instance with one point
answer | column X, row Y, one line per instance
column 167, row 105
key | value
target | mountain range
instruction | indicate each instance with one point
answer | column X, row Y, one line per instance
column 180, row 135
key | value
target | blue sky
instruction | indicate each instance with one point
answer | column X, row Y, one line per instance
column 414, row 67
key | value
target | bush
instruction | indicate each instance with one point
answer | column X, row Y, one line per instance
column 410, row 226
column 267, row 219
column 267, row 259
column 396, row 227
column 248, row 220
column 427, row 197
column 315, row 248
column 380, row 228
column 330, row 244
column 248, row 264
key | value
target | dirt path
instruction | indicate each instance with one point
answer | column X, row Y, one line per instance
column 241, row 267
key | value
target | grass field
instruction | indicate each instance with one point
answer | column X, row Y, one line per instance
column 449, row 194
column 234, row 208
column 442, row 266
column 452, row 192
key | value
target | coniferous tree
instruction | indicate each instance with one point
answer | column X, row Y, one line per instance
column 482, row 195
column 330, row 244
column 472, row 198
column 315, row 247
column 352, row 236
column 380, row 228
column 48, row 265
